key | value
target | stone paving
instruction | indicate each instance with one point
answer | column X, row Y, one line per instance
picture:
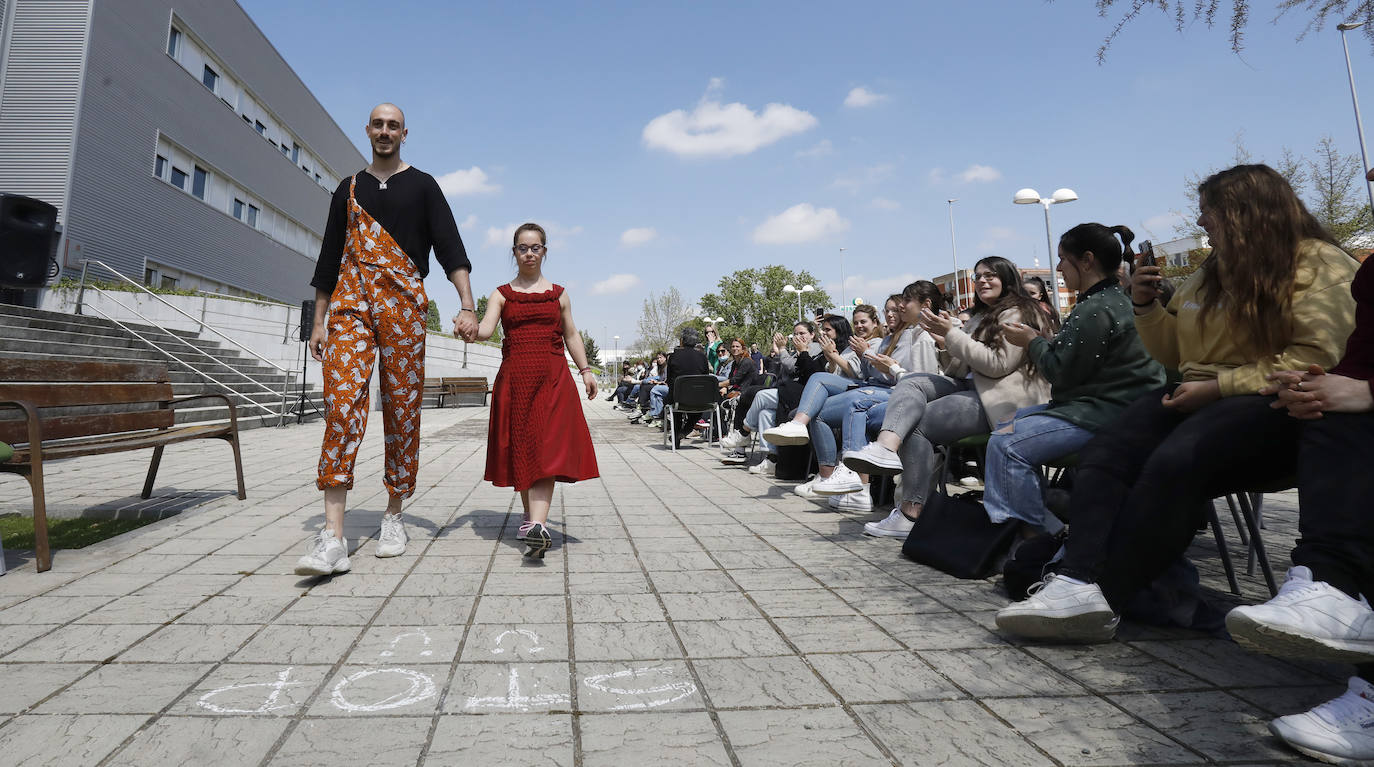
column 690, row 613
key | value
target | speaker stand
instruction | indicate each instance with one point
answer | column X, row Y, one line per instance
column 303, row 404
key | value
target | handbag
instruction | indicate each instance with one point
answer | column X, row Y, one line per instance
column 954, row 535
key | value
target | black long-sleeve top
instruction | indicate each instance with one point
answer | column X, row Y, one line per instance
column 412, row 209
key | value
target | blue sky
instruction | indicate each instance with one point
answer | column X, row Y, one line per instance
column 589, row 119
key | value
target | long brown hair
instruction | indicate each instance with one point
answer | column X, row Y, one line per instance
column 1014, row 296
column 1249, row 277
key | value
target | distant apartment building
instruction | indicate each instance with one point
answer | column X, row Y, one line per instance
column 177, row 144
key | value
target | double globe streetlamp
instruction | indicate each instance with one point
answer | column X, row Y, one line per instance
column 799, row 292
column 1029, row 196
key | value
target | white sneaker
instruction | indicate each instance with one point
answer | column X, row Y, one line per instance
column 805, row 491
column 1307, row 619
column 391, row 542
column 842, row 481
column 858, row 500
column 735, row 440
column 873, row 459
column 896, row 525
column 790, row 433
column 1058, row 609
column 1339, row 731
column 328, row 555
column 970, row 481
column 764, row 468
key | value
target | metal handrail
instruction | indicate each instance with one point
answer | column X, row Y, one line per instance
column 279, row 414
column 80, row 295
column 244, row 298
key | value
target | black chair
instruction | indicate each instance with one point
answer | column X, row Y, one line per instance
column 694, row 395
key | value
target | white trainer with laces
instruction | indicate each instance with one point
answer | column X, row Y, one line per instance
column 328, row 555
column 895, row 525
column 859, row 500
column 1058, row 609
column 1339, row 731
column 805, row 491
column 765, row 468
column 873, row 459
column 790, row 433
column 735, row 440
column 391, row 541
column 842, row 481
column 1307, row 619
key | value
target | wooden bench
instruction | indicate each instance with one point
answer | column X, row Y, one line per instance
column 434, row 387
column 71, row 409
column 457, row 386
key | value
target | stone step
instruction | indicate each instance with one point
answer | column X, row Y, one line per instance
column 82, row 319
column 215, row 365
column 178, row 374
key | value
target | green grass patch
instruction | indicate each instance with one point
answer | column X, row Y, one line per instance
column 16, row 531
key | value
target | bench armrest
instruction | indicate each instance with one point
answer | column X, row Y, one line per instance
column 35, row 447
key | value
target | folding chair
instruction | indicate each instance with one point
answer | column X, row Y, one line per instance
column 691, row 394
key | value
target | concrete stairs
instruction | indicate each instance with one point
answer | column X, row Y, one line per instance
column 34, row 333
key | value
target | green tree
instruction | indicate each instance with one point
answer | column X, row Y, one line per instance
column 1210, row 12
column 435, row 324
column 754, row 305
column 482, row 312
column 661, row 320
column 593, row 351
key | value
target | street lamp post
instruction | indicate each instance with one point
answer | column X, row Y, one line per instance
column 799, row 291
column 1029, row 196
column 1355, row 100
column 953, row 250
column 842, row 298
column 617, row 349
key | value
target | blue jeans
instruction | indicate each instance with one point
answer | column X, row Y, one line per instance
column 819, row 388
column 762, row 414
column 848, row 411
column 1013, row 482
column 656, row 396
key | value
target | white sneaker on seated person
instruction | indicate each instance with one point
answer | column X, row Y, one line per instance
column 841, row 481
column 1339, row 731
column 790, row 433
column 1059, row 609
column 805, row 491
column 735, row 440
column 894, row 525
column 858, row 500
column 873, row 459
column 767, row 467
column 1307, row 619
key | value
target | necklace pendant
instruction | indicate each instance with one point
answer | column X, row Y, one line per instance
column 382, row 185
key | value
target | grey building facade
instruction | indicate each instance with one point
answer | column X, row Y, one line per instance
column 177, row 144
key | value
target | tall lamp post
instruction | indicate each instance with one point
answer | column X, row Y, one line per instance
column 1359, row 126
column 1029, row 196
column 799, row 291
column 953, row 251
column 617, row 351
column 842, row 298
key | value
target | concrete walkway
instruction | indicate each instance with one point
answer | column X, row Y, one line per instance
column 690, row 613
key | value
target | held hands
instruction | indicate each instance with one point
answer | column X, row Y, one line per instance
column 1145, row 284
column 937, row 325
column 1192, row 396
column 1308, row 395
column 465, row 326
column 589, row 382
column 1018, row 333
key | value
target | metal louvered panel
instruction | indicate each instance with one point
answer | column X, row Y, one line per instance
column 40, row 96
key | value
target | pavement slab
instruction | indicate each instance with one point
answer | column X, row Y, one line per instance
column 689, row 613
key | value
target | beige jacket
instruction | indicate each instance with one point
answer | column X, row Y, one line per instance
column 1000, row 374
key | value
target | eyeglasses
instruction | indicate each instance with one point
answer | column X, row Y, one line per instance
column 523, row 249
column 984, row 276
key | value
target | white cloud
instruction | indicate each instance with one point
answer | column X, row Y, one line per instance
column 616, row 283
column 800, row 223
column 976, row 173
column 863, row 97
column 470, row 222
column 882, row 203
column 820, row 149
column 873, row 290
column 474, row 180
column 997, row 237
column 501, row 236
column 936, row 176
column 870, row 175
column 713, row 129
column 1162, row 227
column 633, row 238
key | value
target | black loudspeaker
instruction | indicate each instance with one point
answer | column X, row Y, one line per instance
column 27, row 232
column 307, row 319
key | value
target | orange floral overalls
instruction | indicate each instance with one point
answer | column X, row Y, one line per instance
column 378, row 302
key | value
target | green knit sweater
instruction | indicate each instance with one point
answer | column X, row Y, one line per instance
column 1097, row 364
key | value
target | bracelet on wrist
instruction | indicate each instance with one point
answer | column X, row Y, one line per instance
column 465, row 309
column 584, row 370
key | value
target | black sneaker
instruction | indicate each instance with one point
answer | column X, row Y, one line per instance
column 537, row 540
column 735, row 457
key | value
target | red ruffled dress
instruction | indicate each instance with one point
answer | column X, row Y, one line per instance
column 537, row 429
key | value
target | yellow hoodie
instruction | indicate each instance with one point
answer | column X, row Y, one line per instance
column 1323, row 316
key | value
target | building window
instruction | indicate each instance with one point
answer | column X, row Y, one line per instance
column 149, row 276
column 161, row 168
column 210, row 78
column 259, row 127
column 295, row 152
column 178, row 178
column 198, row 182
column 174, row 42
column 284, row 149
column 317, row 178
column 169, row 283
column 238, row 208
column 245, row 119
column 253, row 216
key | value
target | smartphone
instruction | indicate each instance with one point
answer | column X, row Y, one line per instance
column 1146, row 256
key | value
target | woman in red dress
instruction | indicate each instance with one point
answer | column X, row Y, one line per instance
column 537, row 434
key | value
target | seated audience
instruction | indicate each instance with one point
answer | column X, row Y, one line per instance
column 1037, row 289
column 686, row 360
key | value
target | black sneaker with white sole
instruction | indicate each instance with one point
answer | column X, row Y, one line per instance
column 734, row 457
column 537, row 540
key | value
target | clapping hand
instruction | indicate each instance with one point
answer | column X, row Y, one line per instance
column 859, row 345
column 827, row 343
column 937, row 325
column 1018, row 333
column 779, row 343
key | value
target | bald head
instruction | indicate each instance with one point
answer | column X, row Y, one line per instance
column 387, row 111
column 386, row 130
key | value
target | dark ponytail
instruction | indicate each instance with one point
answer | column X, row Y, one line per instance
column 1102, row 242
